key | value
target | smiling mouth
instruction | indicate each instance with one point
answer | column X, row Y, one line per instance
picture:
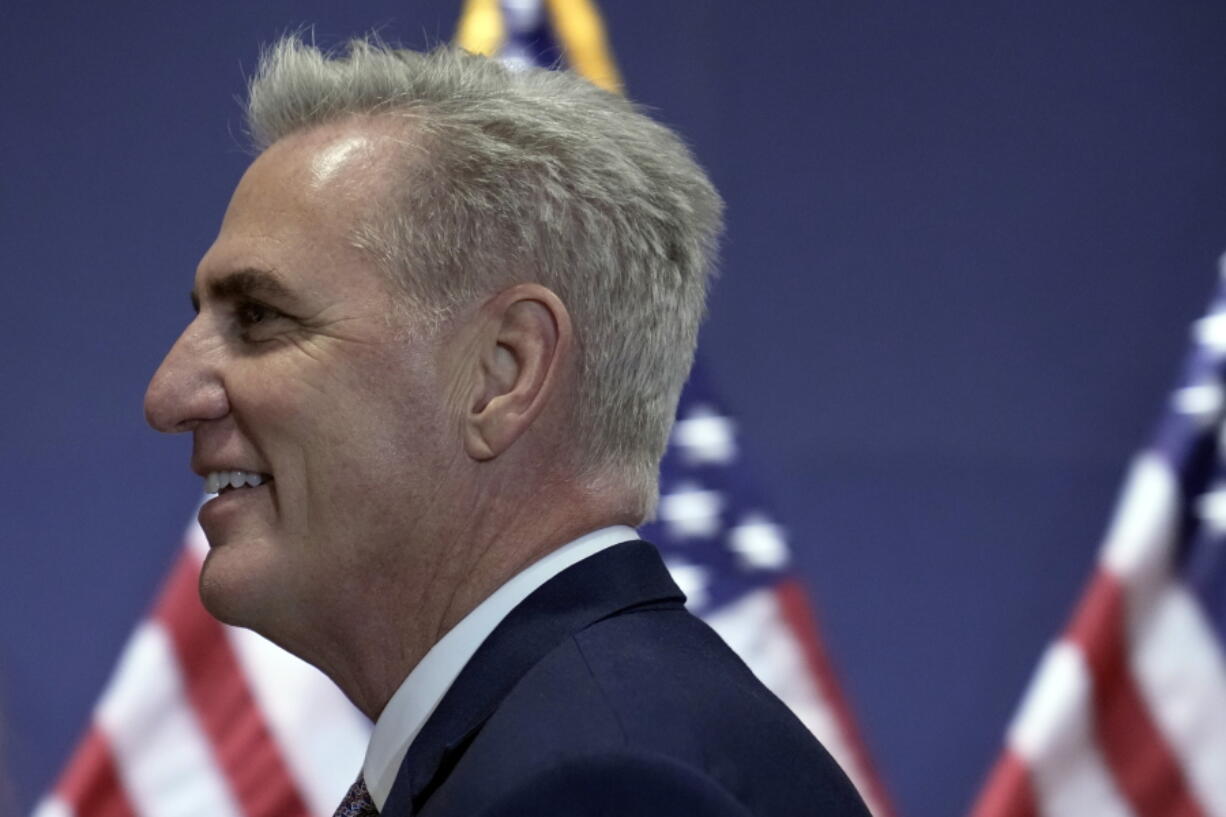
column 220, row 482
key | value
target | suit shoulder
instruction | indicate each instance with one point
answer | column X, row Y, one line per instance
column 618, row 784
column 657, row 690
column 666, row 674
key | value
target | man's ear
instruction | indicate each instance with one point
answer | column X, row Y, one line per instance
column 525, row 338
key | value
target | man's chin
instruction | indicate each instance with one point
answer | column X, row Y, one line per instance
column 219, row 597
column 232, row 587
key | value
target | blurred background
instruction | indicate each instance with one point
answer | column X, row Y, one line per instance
column 965, row 241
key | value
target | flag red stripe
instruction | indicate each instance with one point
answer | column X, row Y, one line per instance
column 1142, row 763
column 91, row 782
column 1009, row 791
column 800, row 618
column 227, row 711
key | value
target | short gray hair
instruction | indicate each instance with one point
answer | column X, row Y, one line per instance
column 530, row 175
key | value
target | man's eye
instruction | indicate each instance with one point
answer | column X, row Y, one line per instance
column 251, row 317
column 251, row 313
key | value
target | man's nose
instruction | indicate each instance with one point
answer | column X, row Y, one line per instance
column 187, row 389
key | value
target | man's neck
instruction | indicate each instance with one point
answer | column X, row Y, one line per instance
column 405, row 619
column 411, row 704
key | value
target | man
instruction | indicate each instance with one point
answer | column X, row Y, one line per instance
column 438, row 346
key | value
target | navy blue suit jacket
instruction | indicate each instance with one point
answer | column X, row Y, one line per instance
column 601, row 695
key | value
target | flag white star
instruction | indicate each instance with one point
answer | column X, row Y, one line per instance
column 1211, row 508
column 1202, row 401
column 759, row 542
column 1210, row 331
column 691, row 511
column 704, row 437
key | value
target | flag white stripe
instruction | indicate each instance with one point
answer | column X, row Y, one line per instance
column 53, row 806
column 161, row 754
column 320, row 735
column 755, row 628
column 1174, row 657
column 1141, row 539
column 196, row 542
column 1181, row 675
column 1053, row 734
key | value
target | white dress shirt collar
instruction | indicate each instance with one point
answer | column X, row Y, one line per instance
column 413, row 703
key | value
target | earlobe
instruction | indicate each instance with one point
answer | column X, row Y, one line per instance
column 523, row 343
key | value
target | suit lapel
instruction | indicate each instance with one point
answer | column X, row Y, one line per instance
column 620, row 578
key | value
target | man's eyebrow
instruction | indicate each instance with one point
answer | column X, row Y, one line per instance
column 244, row 283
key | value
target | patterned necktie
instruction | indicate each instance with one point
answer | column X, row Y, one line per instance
column 357, row 802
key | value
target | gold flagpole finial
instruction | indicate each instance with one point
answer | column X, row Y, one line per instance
column 481, row 29
column 583, row 40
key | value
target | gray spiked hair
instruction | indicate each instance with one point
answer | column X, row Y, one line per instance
column 529, row 175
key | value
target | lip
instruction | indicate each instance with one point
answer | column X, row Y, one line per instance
column 220, row 511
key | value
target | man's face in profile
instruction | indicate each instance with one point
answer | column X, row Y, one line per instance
column 299, row 372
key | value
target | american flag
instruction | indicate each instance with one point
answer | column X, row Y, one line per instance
column 204, row 720
column 1126, row 714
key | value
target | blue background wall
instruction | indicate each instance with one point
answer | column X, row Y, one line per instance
column 965, row 240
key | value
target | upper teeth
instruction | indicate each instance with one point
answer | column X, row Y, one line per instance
column 217, row 480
